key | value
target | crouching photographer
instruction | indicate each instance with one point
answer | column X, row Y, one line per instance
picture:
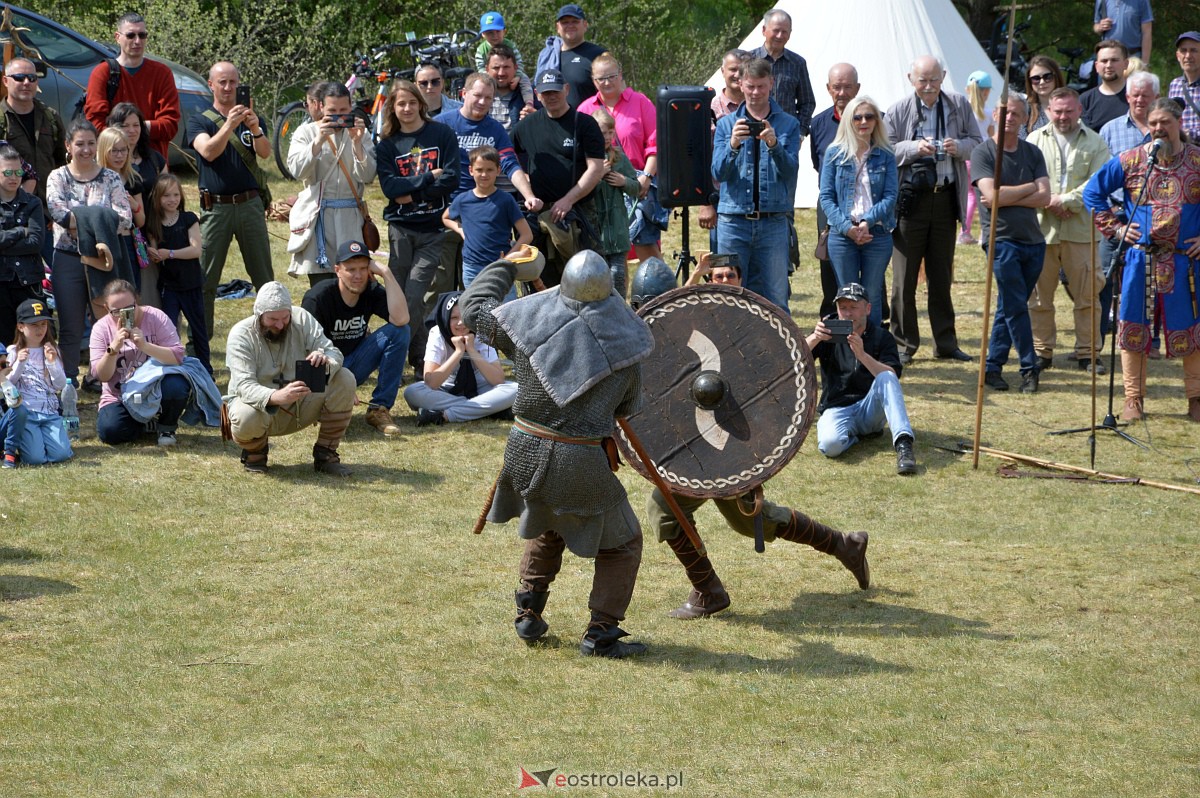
column 860, row 380
column 137, row 356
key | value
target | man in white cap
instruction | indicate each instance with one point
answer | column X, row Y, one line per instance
column 266, row 395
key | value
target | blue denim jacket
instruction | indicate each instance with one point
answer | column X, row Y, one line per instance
column 837, row 189
column 777, row 168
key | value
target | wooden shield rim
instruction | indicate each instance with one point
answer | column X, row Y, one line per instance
column 805, row 380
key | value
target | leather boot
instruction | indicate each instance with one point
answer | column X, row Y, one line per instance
column 326, row 461
column 529, row 623
column 254, row 459
column 708, row 595
column 1133, row 375
column 851, row 549
column 604, row 640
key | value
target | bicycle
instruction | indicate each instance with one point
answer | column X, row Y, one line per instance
column 446, row 50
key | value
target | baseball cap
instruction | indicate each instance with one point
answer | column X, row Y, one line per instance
column 550, row 80
column 980, row 78
column 851, row 291
column 492, row 20
column 1190, row 34
column 32, row 310
column 571, row 10
column 349, row 250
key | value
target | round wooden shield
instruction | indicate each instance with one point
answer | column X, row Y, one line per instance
column 728, row 393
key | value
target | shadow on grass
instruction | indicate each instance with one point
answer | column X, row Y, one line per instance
column 18, row 555
column 816, row 659
column 18, row 588
column 867, row 614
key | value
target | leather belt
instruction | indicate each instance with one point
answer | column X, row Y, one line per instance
column 754, row 217
column 943, row 187
column 234, row 199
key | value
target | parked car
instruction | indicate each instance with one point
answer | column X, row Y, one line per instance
column 71, row 57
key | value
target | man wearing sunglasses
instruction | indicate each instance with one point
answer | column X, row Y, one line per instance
column 35, row 130
column 149, row 85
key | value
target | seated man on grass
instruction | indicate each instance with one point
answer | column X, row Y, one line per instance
column 344, row 307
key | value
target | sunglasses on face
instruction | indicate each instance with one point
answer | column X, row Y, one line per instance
column 13, row 172
column 1041, row 78
column 136, row 35
column 24, row 77
column 429, row 84
column 864, row 117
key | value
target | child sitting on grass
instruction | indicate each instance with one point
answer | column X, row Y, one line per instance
column 34, row 427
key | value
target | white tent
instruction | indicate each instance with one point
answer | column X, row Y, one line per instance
column 880, row 38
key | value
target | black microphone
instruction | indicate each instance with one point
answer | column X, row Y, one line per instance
column 1154, row 148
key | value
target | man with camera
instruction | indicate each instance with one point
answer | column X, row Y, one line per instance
column 1020, row 244
column 860, row 379
column 285, row 375
column 933, row 132
column 228, row 138
column 344, row 307
column 756, row 156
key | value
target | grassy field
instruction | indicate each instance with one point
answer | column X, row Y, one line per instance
column 171, row 626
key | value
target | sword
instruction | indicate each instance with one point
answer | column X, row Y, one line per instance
column 635, row 443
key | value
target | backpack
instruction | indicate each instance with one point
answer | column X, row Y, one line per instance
column 110, row 88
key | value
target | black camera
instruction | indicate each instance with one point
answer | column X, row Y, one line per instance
column 921, row 179
column 839, row 328
column 756, row 126
column 340, row 120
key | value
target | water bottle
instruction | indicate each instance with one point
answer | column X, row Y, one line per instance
column 12, row 395
column 70, row 410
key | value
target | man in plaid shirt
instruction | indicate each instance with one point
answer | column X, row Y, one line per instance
column 1187, row 86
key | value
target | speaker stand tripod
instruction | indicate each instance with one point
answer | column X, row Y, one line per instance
column 685, row 253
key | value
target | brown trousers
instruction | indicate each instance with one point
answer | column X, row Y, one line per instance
column 612, row 583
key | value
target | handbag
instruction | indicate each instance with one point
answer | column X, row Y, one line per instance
column 370, row 233
column 821, row 251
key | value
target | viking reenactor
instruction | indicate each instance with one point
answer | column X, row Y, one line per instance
column 1162, row 263
column 576, row 350
column 722, row 339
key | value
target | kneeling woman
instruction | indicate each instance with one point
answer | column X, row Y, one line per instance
column 128, row 336
column 463, row 379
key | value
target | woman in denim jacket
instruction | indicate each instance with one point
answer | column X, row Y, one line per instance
column 858, row 196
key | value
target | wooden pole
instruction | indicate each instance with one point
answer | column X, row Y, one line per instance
column 1092, row 347
column 1037, row 461
column 635, row 443
column 991, row 248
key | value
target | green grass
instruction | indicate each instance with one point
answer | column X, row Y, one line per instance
column 173, row 627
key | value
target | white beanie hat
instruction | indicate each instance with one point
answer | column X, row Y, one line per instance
column 271, row 297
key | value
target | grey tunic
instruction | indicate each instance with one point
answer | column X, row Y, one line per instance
column 565, row 487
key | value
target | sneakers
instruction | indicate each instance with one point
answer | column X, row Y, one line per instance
column 966, row 238
column 906, row 460
column 166, row 437
column 426, row 417
column 1133, row 409
column 379, row 418
column 1088, row 366
column 1029, row 382
column 10, row 460
column 993, row 380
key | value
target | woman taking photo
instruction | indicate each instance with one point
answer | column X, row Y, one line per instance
column 327, row 155
column 1042, row 78
column 82, row 182
column 858, row 197
column 417, row 161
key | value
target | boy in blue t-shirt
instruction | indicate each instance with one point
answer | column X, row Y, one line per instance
column 485, row 217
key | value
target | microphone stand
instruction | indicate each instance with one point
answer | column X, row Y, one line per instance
column 1117, row 269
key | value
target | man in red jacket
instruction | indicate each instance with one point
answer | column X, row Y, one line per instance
column 149, row 85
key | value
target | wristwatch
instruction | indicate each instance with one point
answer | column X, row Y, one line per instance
column 257, row 135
